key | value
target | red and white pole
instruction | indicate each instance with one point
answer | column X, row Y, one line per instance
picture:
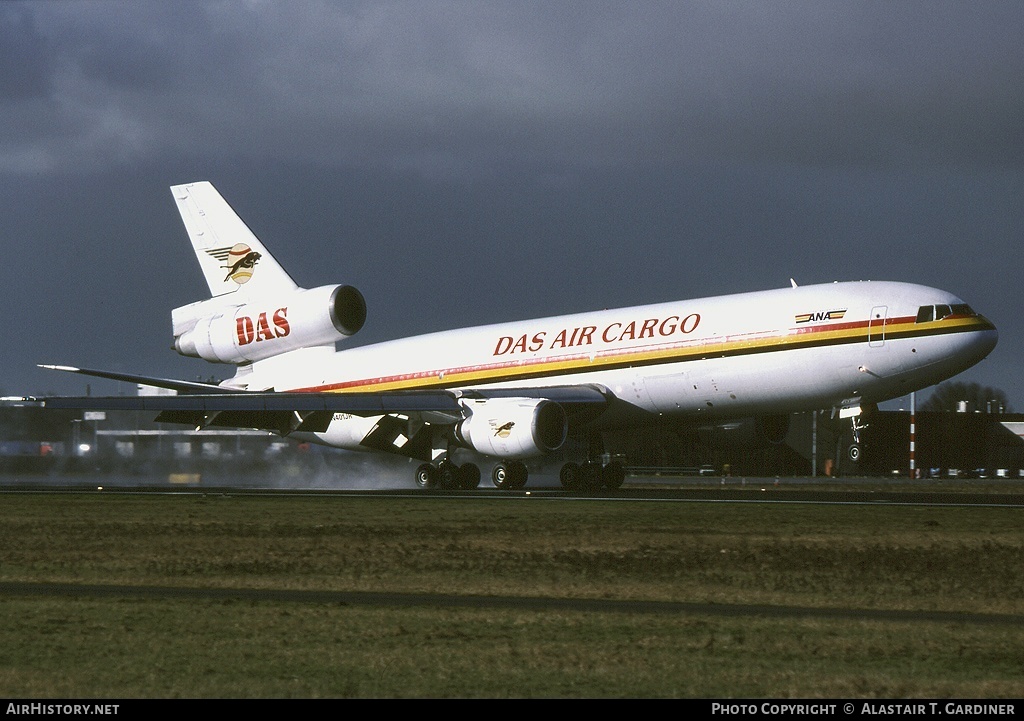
column 913, row 411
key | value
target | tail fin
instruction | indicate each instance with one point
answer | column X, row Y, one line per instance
column 232, row 258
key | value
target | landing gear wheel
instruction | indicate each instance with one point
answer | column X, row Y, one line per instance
column 509, row 476
column 501, row 477
column 520, row 474
column 447, row 475
column 426, row 476
column 854, row 453
column 570, row 476
column 468, row 476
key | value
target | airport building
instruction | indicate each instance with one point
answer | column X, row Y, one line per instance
column 945, row 444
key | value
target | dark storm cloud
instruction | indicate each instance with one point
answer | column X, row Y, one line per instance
column 448, row 86
column 23, row 56
column 467, row 162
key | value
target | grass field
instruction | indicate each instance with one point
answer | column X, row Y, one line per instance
column 862, row 557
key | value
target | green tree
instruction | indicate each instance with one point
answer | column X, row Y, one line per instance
column 949, row 395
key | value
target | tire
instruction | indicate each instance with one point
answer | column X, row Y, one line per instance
column 426, row 476
column 468, row 476
column 501, row 477
column 447, row 475
column 570, row 476
column 510, row 475
column 520, row 474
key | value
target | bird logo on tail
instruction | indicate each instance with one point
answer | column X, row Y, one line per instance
column 240, row 260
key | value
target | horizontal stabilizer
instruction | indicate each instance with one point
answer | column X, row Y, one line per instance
column 168, row 383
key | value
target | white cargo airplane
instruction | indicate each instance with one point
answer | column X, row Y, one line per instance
column 515, row 391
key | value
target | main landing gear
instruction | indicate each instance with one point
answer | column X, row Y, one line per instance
column 448, row 476
column 512, row 476
column 507, row 476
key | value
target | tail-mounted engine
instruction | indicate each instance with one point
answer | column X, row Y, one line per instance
column 224, row 333
column 513, row 428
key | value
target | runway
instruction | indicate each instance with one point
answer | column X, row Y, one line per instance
column 1000, row 493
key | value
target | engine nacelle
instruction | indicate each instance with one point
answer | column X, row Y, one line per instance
column 513, row 428
column 224, row 333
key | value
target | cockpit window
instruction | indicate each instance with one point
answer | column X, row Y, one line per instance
column 928, row 313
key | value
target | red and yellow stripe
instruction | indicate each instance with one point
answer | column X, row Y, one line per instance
column 591, row 360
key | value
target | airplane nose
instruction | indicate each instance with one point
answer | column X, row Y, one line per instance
column 984, row 341
column 991, row 340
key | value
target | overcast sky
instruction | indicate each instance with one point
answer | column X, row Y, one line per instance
column 473, row 162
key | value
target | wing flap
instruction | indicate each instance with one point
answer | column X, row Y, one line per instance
column 281, row 422
column 363, row 404
column 396, row 435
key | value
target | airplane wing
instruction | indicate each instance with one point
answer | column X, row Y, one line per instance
column 205, row 404
column 282, row 413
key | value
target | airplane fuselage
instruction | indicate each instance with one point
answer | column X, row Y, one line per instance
column 768, row 352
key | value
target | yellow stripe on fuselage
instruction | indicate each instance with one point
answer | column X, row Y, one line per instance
column 610, row 358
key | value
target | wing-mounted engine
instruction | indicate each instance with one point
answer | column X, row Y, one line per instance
column 513, row 428
column 221, row 332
